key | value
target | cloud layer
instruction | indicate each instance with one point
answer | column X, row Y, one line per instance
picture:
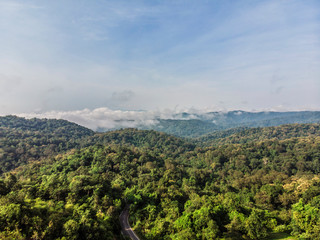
column 105, row 118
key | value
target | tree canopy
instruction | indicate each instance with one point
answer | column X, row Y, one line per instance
column 244, row 184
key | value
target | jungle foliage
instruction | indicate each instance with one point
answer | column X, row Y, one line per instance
column 248, row 184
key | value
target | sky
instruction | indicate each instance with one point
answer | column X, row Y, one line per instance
column 69, row 57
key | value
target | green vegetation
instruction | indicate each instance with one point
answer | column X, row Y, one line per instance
column 23, row 141
column 280, row 236
column 185, row 128
column 261, row 183
column 244, row 135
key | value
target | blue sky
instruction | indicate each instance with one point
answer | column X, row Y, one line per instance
column 69, row 55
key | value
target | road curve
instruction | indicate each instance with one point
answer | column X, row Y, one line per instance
column 126, row 229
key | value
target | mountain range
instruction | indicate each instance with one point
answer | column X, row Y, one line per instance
column 195, row 125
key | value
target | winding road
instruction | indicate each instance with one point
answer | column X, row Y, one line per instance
column 126, row 229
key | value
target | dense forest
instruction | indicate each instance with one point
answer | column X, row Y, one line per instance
column 62, row 181
column 23, row 140
column 243, row 135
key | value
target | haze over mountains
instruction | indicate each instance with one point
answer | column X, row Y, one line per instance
column 192, row 123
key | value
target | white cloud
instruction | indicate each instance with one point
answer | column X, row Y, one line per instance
column 109, row 119
column 99, row 118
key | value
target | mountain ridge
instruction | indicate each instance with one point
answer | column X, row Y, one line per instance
column 216, row 121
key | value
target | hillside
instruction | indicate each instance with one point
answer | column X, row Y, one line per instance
column 245, row 135
column 184, row 128
column 144, row 139
column 50, row 126
column 24, row 140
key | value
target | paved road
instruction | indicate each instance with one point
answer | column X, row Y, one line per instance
column 126, row 229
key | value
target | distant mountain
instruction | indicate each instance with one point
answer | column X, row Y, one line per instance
column 195, row 125
column 184, row 128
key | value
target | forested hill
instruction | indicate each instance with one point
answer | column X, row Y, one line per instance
column 244, row 135
column 145, row 139
column 49, row 126
column 184, row 128
column 24, row 140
